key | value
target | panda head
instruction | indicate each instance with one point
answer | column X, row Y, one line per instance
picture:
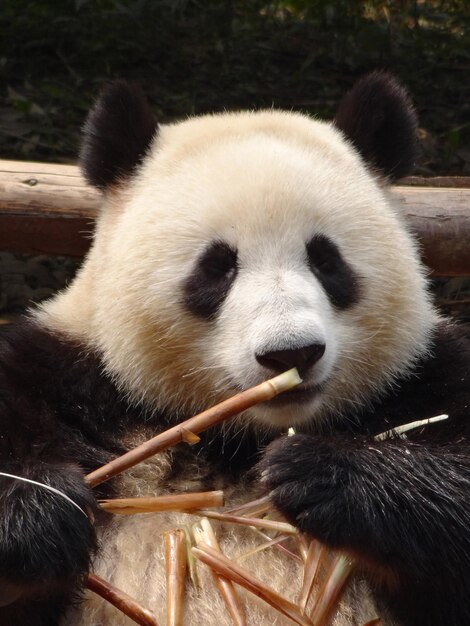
column 232, row 247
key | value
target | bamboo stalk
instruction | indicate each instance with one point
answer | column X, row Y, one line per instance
column 181, row 502
column 311, row 569
column 255, row 507
column 328, row 596
column 230, row 570
column 198, row 423
column 121, row 600
column 257, row 522
column 224, row 586
column 374, row 622
column 175, row 562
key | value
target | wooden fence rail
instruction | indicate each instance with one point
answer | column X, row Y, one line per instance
column 48, row 208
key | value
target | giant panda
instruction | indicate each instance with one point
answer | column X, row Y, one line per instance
column 230, row 248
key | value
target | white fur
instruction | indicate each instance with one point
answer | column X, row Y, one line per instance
column 265, row 183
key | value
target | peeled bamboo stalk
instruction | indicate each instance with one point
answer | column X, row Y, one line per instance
column 231, row 571
column 333, row 586
column 198, row 423
column 181, row 502
column 175, row 563
column 121, row 601
column 399, row 431
column 257, row 522
column 225, row 587
column 311, row 569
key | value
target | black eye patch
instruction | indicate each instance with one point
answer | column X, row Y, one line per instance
column 334, row 274
column 209, row 283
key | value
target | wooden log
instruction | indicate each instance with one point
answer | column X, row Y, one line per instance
column 440, row 217
column 435, row 181
column 48, row 208
column 45, row 208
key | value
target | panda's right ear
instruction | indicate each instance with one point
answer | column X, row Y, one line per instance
column 116, row 134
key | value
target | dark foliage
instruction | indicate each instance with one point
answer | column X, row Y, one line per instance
column 194, row 57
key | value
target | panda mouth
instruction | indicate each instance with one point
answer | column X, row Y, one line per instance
column 298, row 395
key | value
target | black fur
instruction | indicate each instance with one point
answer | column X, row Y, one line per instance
column 116, row 135
column 335, row 275
column 56, row 422
column 401, row 507
column 378, row 117
column 209, row 283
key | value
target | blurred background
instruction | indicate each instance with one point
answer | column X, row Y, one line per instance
column 195, row 56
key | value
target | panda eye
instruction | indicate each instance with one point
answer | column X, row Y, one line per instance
column 323, row 255
column 337, row 278
column 206, row 288
column 218, row 261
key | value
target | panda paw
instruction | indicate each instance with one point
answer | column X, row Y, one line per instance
column 46, row 542
column 309, row 484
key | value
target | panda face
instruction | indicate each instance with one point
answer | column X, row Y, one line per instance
column 279, row 307
column 243, row 245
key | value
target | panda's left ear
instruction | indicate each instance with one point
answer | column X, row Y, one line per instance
column 377, row 115
column 116, row 135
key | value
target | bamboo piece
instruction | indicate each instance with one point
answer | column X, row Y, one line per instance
column 175, row 564
column 311, row 568
column 280, row 547
column 180, row 502
column 303, row 545
column 198, row 423
column 230, row 570
column 225, row 587
column 255, row 507
column 272, row 543
column 282, row 527
column 333, row 586
column 121, row 600
column 374, row 622
column 190, row 558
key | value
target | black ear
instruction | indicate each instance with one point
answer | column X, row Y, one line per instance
column 378, row 116
column 117, row 132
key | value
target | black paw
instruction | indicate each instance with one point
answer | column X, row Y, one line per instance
column 309, row 483
column 46, row 542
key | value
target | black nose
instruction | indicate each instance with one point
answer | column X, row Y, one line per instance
column 302, row 358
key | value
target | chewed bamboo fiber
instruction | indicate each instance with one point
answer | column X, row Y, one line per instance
column 175, row 564
column 121, row 601
column 198, row 423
